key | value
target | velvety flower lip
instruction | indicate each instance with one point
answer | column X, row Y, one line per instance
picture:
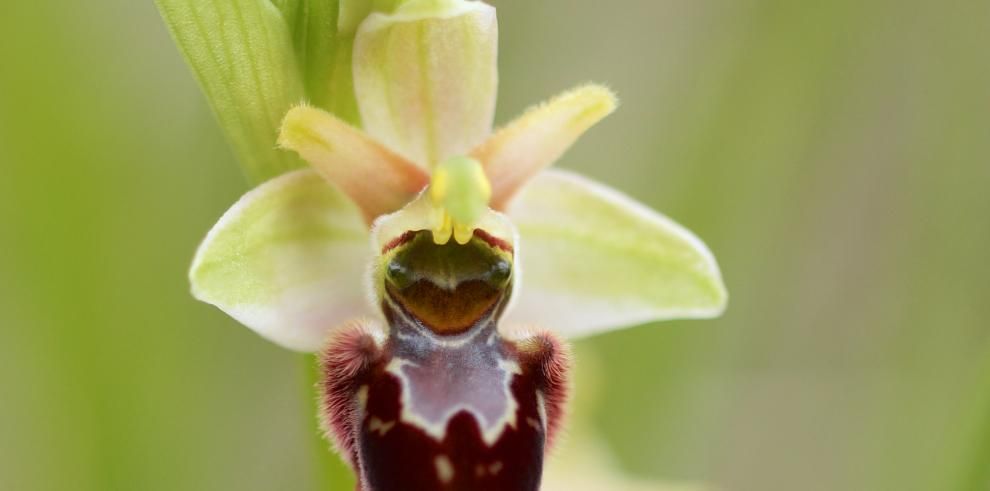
column 291, row 258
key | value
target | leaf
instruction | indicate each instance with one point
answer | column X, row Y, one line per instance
column 287, row 260
column 324, row 43
column 242, row 54
column 425, row 77
column 594, row 260
column 314, row 30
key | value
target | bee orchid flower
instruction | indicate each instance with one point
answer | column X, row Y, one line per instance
column 436, row 265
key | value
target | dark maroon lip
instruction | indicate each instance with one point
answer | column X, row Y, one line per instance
column 462, row 399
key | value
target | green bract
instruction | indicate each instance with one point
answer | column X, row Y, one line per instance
column 393, row 104
column 242, row 52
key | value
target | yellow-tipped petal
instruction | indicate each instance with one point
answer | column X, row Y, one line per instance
column 376, row 179
column 539, row 137
column 425, row 77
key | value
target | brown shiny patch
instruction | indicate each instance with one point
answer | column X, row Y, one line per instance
column 447, row 312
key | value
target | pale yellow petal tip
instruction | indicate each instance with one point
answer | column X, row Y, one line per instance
column 594, row 94
column 593, row 102
column 297, row 126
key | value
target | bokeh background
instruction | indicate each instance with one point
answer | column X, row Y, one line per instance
column 834, row 155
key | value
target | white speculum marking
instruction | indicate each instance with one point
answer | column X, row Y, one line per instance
column 492, row 469
column 447, row 381
column 445, row 470
column 377, row 425
column 541, row 407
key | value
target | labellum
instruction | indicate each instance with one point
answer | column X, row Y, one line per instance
column 445, row 402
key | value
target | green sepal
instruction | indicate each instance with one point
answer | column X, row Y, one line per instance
column 288, row 260
column 594, row 260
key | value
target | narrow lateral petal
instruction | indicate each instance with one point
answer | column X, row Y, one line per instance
column 425, row 77
column 595, row 260
column 287, row 260
column 376, row 179
column 539, row 137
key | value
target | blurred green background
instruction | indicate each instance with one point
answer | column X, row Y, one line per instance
column 834, row 155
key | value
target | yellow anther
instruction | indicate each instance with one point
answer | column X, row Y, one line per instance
column 463, row 233
column 441, row 235
column 461, row 190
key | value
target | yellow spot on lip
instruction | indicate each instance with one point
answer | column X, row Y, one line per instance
column 362, row 397
column 493, row 469
column 377, row 425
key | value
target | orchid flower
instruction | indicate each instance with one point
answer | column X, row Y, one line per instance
column 435, row 263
